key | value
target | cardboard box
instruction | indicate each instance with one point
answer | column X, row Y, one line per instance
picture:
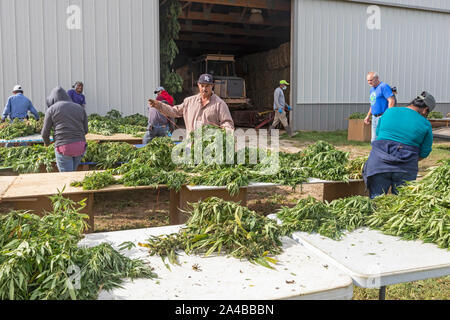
column 359, row 131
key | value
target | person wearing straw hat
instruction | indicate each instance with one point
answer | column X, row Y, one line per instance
column 18, row 105
column 280, row 106
column 205, row 108
column 400, row 145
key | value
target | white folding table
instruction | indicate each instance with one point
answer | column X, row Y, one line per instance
column 376, row 260
column 299, row 274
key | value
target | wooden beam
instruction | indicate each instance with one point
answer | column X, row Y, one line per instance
column 279, row 5
column 230, row 18
column 213, row 39
column 209, row 47
column 223, row 29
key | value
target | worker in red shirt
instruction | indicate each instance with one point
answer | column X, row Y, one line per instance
column 161, row 92
column 163, row 95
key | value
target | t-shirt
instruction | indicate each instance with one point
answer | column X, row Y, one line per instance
column 408, row 127
column 378, row 98
column 76, row 97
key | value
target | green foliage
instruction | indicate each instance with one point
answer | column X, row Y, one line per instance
column 217, row 226
column 358, row 116
column 421, row 211
column 38, row 255
column 109, row 155
column 114, row 123
column 28, row 159
column 435, row 115
column 169, row 30
column 18, row 128
column 96, row 181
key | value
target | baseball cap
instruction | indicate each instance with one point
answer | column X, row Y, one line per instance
column 17, row 88
column 206, row 79
column 284, row 82
column 429, row 100
column 159, row 89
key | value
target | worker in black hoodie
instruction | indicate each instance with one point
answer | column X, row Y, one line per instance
column 70, row 123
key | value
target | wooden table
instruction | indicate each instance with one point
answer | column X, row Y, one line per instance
column 37, row 139
column 32, row 191
column 126, row 138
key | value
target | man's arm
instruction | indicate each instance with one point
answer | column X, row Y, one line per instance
column 368, row 119
column 48, row 125
column 169, row 111
column 427, row 145
column 85, row 123
column 279, row 100
column 33, row 111
column 391, row 101
column 225, row 119
column 7, row 110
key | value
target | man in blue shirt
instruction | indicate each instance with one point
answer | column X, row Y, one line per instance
column 18, row 106
column 381, row 99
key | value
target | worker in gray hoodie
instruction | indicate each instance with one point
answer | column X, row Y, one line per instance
column 70, row 123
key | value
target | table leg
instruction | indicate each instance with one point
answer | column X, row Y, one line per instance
column 174, row 205
column 382, row 293
column 334, row 191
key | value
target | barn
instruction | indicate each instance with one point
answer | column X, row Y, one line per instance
column 323, row 47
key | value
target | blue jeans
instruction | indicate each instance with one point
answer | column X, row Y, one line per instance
column 375, row 121
column 155, row 132
column 380, row 184
column 66, row 163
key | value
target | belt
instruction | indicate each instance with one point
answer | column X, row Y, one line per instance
column 378, row 115
column 159, row 127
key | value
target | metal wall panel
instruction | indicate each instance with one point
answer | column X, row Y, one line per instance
column 116, row 52
column 439, row 5
column 333, row 50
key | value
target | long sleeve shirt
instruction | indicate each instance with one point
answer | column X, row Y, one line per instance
column 68, row 118
column 18, row 106
column 216, row 113
column 408, row 127
column 279, row 102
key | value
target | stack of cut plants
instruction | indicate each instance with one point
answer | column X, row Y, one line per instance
column 421, row 211
column 30, row 159
column 18, row 128
column 220, row 227
column 40, row 258
column 209, row 165
column 114, row 123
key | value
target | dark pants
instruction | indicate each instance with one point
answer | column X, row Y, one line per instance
column 155, row 132
column 380, row 184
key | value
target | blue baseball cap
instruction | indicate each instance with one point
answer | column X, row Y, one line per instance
column 206, row 79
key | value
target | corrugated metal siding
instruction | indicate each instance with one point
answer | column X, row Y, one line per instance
column 426, row 4
column 116, row 52
column 334, row 50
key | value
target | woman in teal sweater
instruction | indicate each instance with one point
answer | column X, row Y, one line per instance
column 405, row 137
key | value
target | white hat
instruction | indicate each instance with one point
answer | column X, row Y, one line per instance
column 17, row 88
